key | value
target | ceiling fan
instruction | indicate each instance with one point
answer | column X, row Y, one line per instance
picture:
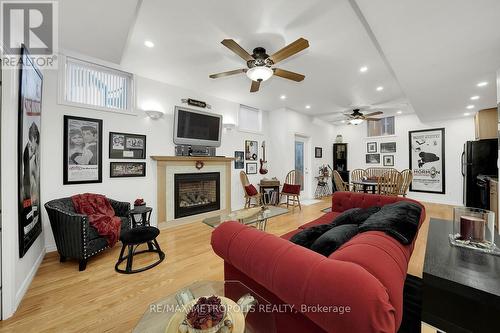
column 260, row 64
column 356, row 117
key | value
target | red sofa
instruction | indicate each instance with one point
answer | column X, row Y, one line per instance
column 366, row 274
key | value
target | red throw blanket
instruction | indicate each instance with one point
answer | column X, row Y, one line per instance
column 101, row 215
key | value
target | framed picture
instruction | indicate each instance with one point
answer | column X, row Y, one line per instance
column 427, row 158
column 371, row 147
column 388, row 160
column 388, row 147
column 318, row 152
column 28, row 145
column 239, row 160
column 251, row 150
column 251, row 168
column 82, row 150
column 127, row 169
column 127, row 146
column 372, row 158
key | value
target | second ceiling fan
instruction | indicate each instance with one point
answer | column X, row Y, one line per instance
column 260, row 64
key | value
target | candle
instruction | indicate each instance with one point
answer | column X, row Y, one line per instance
column 472, row 228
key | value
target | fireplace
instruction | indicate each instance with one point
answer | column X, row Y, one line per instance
column 196, row 193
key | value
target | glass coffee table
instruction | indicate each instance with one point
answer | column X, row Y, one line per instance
column 245, row 309
column 257, row 216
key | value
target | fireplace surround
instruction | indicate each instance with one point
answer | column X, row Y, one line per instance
column 196, row 193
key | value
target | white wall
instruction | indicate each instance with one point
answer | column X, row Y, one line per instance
column 457, row 131
column 17, row 273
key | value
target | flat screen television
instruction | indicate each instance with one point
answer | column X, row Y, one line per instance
column 197, row 128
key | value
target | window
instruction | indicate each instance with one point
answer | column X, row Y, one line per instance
column 382, row 127
column 249, row 119
column 90, row 85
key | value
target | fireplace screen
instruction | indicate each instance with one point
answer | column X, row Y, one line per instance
column 196, row 193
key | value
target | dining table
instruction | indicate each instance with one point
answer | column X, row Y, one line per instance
column 367, row 183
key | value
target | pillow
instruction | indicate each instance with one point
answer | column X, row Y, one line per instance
column 307, row 236
column 399, row 220
column 355, row 215
column 291, row 189
column 331, row 240
column 251, row 190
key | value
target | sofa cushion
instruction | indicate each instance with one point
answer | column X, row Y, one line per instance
column 93, row 234
column 332, row 239
column 291, row 189
column 325, row 219
column 251, row 190
column 355, row 215
column 306, row 237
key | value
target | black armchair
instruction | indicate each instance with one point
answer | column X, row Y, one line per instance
column 74, row 236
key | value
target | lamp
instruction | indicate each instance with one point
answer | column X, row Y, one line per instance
column 153, row 114
column 259, row 73
column 356, row 121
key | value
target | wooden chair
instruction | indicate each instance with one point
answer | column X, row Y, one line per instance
column 407, row 175
column 390, row 183
column 376, row 172
column 248, row 198
column 340, row 184
column 357, row 174
column 293, row 178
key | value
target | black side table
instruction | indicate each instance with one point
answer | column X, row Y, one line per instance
column 144, row 213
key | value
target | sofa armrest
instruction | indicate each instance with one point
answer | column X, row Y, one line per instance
column 315, row 285
column 121, row 208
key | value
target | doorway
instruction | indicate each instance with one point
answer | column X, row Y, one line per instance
column 302, row 161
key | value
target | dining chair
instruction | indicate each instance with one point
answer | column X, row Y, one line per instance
column 291, row 189
column 250, row 191
column 407, row 175
column 340, row 184
column 390, row 183
column 357, row 175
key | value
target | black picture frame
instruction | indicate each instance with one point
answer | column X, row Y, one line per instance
column 434, row 168
column 127, row 150
column 318, row 152
column 251, row 168
column 28, row 147
column 251, row 150
column 388, row 160
column 387, row 147
column 371, row 147
column 113, row 172
column 372, row 158
column 239, row 160
column 92, row 166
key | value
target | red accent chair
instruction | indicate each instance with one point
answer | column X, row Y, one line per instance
column 366, row 274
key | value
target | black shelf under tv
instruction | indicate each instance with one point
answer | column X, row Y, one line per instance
column 340, row 161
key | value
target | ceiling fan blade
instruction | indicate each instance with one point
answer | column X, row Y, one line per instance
column 373, row 114
column 236, row 48
column 255, row 86
column 373, row 119
column 236, row 71
column 289, row 75
column 289, row 50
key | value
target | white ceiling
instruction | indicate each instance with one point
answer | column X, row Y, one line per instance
column 428, row 55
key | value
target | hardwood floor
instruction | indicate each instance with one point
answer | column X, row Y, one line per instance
column 61, row 299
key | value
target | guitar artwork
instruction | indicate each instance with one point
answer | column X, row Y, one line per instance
column 263, row 162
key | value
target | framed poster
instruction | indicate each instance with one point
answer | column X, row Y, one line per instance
column 318, row 152
column 127, row 169
column 427, row 158
column 251, row 150
column 239, row 160
column 251, row 168
column 372, row 158
column 127, row 146
column 388, row 160
column 371, row 147
column 388, row 147
column 28, row 144
column 82, row 161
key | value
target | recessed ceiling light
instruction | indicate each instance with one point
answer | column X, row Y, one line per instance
column 399, row 112
column 482, row 84
column 283, row 96
column 474, row 98
column 380, row 88
column 343, row 121
column 466, row 114
column 149, row 44
column 470, row 106
column 308, row 106
column 363, row 69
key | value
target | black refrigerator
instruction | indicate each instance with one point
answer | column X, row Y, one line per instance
column 478, row 159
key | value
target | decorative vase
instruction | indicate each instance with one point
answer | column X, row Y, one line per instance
column 473, row 228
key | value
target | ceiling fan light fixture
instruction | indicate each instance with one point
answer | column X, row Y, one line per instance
column 259, row 73
column 356, row 121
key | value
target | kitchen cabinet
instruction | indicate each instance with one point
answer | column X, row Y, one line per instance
column 486, row 124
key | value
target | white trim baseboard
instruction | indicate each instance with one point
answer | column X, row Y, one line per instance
column 26, row 283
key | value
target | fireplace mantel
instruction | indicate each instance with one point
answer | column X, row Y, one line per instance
column 167, row 166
